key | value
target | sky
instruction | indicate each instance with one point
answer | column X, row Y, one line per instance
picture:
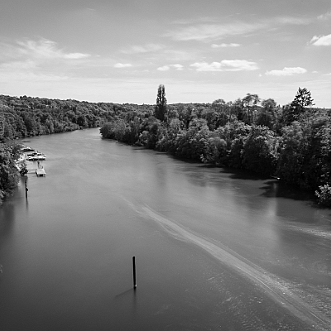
column 200, row 50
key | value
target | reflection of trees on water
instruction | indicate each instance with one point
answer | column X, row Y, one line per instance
column 8, row 212
column 7, row 217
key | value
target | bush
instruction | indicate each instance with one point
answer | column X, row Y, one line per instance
column 324, row 195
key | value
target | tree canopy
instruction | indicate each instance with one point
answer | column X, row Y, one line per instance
column 161, row 104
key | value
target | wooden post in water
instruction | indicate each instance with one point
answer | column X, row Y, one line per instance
column 134, row 272
column 26, row 188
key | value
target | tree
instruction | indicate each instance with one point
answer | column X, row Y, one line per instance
column 8, row 171
column 293, row 111
column 2, row 122
column 260, row 150
column 250, row 102
column 267, row 114
column 303, row 98
column 161, row 104
column 294, row 147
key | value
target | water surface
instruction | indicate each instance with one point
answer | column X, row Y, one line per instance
column 215, row 250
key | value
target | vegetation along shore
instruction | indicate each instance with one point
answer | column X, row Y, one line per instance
column 291, row 142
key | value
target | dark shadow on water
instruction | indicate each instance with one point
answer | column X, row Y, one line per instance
column 273, row 187
column 7, row 217
column 244, row 174
column 174, row 157
column 277, row 189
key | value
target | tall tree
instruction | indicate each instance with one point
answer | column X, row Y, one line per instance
column 161, row 104
column 293, row 111
column 2, row 122
column 250, row 102
column 303, row 98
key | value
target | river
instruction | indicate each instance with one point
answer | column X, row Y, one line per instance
column 215, row 250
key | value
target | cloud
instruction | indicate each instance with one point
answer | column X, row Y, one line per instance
column 226, row 65
column 143, row 49
column 122, row 65
column 163, row 68
column 168, row 67
column 178, row 66
column 224, row 45
column 46, row 49
column 42, row 59
column 321, row 40
column 76, row 56
column 325, row 16
column 206, row 32
column 213, row 31
column 187, row 21
column 27, row 71
column 291, row 20
column 286, row 71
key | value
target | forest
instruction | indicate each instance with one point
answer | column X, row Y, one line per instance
column 291, row 143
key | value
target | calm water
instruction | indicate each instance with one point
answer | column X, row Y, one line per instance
column 214, row 250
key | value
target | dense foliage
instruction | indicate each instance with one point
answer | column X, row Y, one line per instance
column 26, row 116
column 9, row 175
column 292, row 142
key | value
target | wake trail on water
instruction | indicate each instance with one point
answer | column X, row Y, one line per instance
column 275, row 289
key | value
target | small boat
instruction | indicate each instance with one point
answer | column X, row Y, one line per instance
column 27, row 149
column 36, row 156
column 40, row 172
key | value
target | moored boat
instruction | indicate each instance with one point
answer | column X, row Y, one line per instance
column 36, row 156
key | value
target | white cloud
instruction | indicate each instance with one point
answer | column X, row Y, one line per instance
column 76, row 56
column 178, row 66
column 122, row 65
column 291, row 20
column 325, row 16
column 46, row 49
column 143, row 49
column 286, row 71
column 224, row 45
column 42, row 59
column 213, row 31
column 205, row 32
column 321, row 40
column 226, row 65
column 168, row 67
column 239, row 65
column 163, row 68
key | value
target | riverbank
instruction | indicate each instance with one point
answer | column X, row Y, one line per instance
column 9, row 173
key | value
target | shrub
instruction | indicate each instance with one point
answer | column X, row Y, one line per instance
column 324, row 195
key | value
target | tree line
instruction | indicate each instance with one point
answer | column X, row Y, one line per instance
column 291, row 142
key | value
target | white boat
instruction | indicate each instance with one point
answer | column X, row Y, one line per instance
column 36, row 156
column 40, row 172
column 27, row 149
